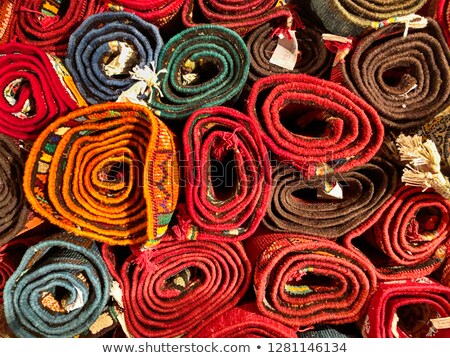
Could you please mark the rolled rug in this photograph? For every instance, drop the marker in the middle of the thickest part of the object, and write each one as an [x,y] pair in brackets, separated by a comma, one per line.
[48,24]
[107,172]
[445,277]
[13,208]
[245,321]
[177,287]
[302,282]
[416,308]
[327,331]
[300,205]
[112,57]
[443,17]
[59,289]
[353,17]
[227,176]
[407,236]
[206,66]
[240,16]
[313,58]
[158,12]
[7,11]
[36,89]
[394,74]
[317,125]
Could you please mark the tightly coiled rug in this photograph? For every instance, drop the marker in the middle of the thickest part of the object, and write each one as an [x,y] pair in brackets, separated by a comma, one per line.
[227,176]
[103,54]
[302,282]
[317,125]
[177,287]
[107,172]
[59,289]
[206,66]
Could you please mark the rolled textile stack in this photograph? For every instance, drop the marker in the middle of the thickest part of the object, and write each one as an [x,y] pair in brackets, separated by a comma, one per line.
[227,176]
[296,204]
[48,24]
[59,289]
[13,208]
[353,17]
[313,58]
[408,309]
[445,277]
[302,282]
[317,125]
[7,11]
[245,321]
[112,56]
[206,66]
[158,12]
[178,287]
[443,17]
[36,89]
[108,172]
[406,79]
[410,232]
[241,16]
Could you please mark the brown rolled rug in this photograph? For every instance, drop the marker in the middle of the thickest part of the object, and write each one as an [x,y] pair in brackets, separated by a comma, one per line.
[245,321]
[313,58]
[297,207]
[302,282]
[406,79]
[407,237]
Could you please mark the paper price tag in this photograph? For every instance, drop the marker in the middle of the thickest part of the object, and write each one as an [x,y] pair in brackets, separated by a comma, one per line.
[286,52]
[441,323]
[335,192]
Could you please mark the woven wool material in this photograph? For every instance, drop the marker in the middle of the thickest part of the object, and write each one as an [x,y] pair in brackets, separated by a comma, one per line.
[313,59]
[445,277]
[406,79]
[158,12]
[352,17]
[206,66]
[232,211]
[13,209]
[352,132]
[302,282]
[33,93]
[7,11]
[295,206]
[245,321]
[404,309]
[326,331]
[241,15]
[107,172]
[35,24]
[93,45]
[176,288]
[59,289]
[443,17]
[410,231]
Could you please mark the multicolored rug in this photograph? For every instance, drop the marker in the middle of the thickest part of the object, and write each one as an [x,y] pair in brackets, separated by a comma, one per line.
[107,172]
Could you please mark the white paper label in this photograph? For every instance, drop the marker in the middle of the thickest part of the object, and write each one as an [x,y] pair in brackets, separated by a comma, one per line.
[286,52]
[441,323]
[78,303]
[334,193]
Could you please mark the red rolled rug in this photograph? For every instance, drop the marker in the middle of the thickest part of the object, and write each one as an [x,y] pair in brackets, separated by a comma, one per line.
[176,288]
[35,90]
[416,308]
[408,234]
[317,125]
[227,176]
[7,12]
[48,24]
[239,15]
[302,282]
[245,321]
[443,17]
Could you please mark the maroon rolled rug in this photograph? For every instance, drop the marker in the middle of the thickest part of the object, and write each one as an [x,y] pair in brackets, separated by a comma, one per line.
[245,321]
[48,24]
[317,125]
[176,288]
[302,282]
[34,90]
[443,17]
[7,13]
[406,238]
[227,176]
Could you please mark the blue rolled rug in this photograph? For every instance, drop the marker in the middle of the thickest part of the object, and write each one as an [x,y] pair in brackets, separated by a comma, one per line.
[60,288]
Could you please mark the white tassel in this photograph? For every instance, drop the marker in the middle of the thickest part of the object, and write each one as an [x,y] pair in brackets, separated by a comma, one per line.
[424,168]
